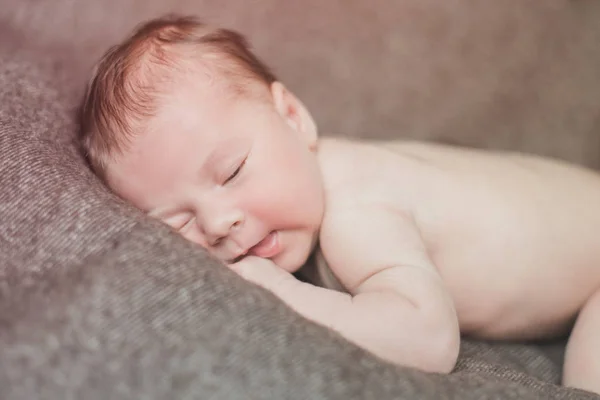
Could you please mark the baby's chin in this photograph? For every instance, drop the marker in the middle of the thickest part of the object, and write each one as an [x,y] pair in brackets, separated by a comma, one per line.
[293,261]
[291,267]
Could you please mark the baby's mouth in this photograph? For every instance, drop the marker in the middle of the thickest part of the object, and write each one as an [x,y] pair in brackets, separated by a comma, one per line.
[267,247]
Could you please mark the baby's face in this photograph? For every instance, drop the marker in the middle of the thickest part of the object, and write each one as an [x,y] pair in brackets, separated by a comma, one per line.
[235,175]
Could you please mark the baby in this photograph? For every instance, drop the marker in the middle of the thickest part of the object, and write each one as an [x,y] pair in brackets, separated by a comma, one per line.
[427,241]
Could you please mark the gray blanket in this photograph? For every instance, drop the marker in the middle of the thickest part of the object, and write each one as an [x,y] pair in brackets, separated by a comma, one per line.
[99,302]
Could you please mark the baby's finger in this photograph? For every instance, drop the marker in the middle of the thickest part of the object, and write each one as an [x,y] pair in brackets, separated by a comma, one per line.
[261,272]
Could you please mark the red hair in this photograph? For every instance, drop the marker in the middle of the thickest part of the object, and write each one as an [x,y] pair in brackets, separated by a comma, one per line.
[130,78]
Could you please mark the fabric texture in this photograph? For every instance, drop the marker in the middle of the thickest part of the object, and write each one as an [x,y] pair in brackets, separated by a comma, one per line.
[99,302]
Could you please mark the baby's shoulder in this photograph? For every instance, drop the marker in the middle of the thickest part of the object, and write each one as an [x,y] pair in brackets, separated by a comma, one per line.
[348,161]
[344,169]
[365,169]
[364,154]
[334,151]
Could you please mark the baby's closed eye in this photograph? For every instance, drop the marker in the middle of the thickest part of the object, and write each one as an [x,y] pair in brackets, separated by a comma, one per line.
[238,168]
[179,222]
[186,225]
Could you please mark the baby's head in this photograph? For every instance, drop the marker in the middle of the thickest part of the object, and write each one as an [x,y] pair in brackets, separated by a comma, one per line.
[184,122]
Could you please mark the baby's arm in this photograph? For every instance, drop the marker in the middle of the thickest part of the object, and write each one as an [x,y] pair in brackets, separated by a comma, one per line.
[397,308]
[399,299]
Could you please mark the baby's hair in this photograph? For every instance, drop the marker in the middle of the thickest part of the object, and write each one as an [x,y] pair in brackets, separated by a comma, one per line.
[128,81]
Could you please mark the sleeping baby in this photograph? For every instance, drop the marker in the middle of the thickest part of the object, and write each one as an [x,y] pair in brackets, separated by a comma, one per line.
[425,241]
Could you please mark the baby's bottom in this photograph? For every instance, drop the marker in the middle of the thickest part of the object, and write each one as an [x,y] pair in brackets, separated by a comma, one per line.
[582,358]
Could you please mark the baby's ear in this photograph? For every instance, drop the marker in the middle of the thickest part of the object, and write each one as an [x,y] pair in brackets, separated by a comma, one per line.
[295,114]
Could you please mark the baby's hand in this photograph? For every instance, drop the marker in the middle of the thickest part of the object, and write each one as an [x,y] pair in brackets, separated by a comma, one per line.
[264,272]
[318,304]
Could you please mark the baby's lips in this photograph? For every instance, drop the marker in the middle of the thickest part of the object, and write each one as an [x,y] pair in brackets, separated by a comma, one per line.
[268,247]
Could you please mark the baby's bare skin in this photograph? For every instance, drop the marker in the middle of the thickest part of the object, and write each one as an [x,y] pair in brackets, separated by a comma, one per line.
[513,236]
[428,241]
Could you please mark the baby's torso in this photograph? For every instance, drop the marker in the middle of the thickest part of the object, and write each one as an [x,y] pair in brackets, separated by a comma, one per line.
[514,237]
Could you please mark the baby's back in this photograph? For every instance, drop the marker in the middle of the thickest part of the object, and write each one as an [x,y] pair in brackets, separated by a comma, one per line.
[513,236]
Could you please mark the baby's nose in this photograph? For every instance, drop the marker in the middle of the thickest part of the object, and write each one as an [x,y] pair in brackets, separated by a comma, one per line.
[220,226]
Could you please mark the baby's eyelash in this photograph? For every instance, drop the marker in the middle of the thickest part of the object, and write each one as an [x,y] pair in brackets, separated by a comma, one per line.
[236,172]
[185,226]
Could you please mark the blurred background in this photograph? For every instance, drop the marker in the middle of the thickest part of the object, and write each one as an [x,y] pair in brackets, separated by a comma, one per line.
[511,74]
